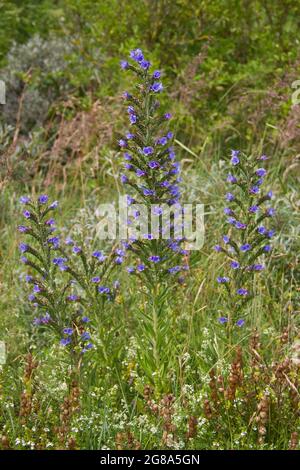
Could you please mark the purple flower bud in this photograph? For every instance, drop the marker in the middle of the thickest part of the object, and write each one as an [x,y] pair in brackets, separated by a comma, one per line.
[167,116]
[156,74]
[270,212]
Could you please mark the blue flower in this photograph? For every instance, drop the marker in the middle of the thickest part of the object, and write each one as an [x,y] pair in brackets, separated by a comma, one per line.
[99,255]
[235,264]
[123,179]
[132,119]
[254,190]
[154,259]
[27,214]
[153,164]
[73,298]
[122,143]
[261,230]
[43,199]
[147,150]
[68,331]
[96,279]
[54,205]
[157,87]
[267,248]
[156,74]
[141,267]
[24,199]
[227,211]
[167,116]
[234,157]
[261,172]
[229,197]
[137,55]
[270,212]
[103,290]
[240,225]
[85,336]
[54,241]
[222,320]
[140,173]
[148,192]
[145,64]
[23,247]
[253,209]
[222,280]
[162,141]
[119,260]
[242,291]
[240,322]
[130,269]
[258,267]
[231,178]
[124,64]
[65,341]
[245,247]
[217,248]
[226,239]
[76,250]
[23,228]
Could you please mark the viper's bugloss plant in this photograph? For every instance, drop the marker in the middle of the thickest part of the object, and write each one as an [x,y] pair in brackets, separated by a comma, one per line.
[152,176]
[68,285]
[246,244]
